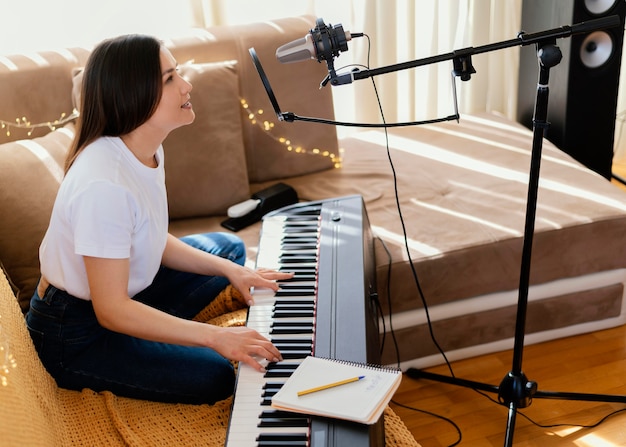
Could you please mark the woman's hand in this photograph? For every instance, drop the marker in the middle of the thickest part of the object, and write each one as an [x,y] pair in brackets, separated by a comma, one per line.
[243,279]
[243,344]
[180,256]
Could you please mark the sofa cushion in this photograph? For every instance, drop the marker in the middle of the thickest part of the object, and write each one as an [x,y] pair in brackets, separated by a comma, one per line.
[30,173]
[274,149]
[35,87]
[205,162]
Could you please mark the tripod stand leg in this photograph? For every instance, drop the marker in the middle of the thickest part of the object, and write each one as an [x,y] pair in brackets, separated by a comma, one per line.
[510,426]
[415,373]
[587,397]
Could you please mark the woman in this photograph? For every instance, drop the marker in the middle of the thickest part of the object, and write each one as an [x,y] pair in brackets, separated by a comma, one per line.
[114,304]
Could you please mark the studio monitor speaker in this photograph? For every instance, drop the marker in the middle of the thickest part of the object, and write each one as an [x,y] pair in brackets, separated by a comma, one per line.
[583,87]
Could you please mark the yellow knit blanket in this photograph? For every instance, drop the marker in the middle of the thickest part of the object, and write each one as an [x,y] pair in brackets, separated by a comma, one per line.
[35,412]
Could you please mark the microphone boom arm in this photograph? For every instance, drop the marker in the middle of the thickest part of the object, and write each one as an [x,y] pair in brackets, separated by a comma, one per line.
[462,57]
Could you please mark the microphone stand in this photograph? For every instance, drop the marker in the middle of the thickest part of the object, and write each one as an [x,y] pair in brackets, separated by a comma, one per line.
[515,390]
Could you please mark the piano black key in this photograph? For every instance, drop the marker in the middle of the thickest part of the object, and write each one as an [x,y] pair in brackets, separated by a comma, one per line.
[295,292]
[280,369]
[301,272]
[296,266]
[299,285]
[301,352]
[299,300]
[303,222]
[269,393]
[290,355]
[295,217]
[296,353]
[294,307]
[294,304]
[283,365]
[290,260]
[294,260]
[303,323]
[313,257]
[269,422]
[278,418]
[303,234]
[306,242]
[292,313]
[300,247]
[294,350]
[307,208]
[299,230]
[310,208]
[298,276]
[291,330]
[275,413]
[292,344]
[278,373]
[282,443]
[308,269]
[294,297]
[303,212]
[282,440]
[305,259]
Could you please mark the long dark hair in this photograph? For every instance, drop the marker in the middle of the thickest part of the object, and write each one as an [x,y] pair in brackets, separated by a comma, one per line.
[122,86]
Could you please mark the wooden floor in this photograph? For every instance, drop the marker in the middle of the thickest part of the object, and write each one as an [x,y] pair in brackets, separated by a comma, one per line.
[588,363]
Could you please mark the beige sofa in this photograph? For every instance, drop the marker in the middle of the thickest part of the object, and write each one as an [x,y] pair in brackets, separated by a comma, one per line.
[461,189]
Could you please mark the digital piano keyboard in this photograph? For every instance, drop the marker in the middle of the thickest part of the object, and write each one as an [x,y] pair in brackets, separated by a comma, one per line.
[326,310]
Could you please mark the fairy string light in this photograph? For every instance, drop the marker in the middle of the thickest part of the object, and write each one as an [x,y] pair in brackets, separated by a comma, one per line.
[256,118]
[7,361]
[24,123]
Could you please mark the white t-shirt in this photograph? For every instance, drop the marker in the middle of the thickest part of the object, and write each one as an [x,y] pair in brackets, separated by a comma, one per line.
[109,205]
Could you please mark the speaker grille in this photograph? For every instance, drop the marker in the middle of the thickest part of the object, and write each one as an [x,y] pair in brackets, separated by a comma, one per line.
[596,49]
[599,7]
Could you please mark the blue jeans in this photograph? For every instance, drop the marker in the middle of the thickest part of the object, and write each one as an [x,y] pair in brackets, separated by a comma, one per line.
[79,353]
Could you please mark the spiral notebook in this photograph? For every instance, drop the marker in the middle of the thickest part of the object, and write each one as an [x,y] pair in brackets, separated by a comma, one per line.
[338,389]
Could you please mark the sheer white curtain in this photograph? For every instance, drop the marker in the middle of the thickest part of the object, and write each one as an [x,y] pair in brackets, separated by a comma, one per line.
[405,30]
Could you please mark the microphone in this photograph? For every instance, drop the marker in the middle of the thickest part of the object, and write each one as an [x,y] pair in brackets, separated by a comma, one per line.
[322,43]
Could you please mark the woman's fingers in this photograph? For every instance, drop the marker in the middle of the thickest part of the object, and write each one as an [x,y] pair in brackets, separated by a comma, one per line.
[247,345]
[261,278]
[274,275]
